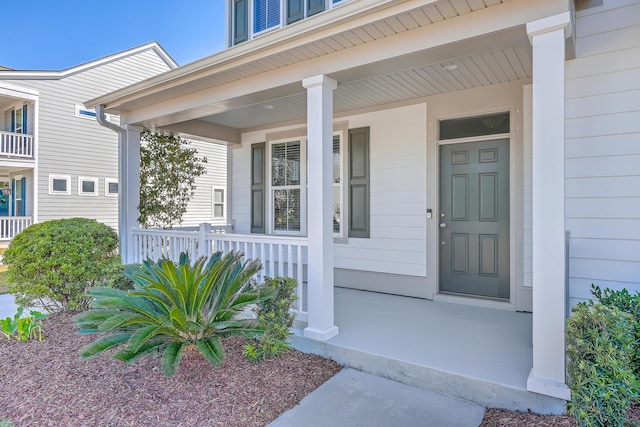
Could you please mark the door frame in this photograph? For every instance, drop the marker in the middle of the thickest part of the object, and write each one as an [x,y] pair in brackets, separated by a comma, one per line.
[515,210]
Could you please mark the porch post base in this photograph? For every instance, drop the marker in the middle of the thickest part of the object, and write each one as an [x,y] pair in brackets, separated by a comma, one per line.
[320,334]
[548,387]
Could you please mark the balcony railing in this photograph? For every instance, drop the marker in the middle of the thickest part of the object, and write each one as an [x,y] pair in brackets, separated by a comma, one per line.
[279,255]
[16,145]
[12,225]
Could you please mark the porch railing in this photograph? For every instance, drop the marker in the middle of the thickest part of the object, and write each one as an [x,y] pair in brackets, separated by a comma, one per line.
[279,255]
[16,144]
[12,225]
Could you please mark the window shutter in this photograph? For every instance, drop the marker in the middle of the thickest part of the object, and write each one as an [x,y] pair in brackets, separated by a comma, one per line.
[23,195]
[314,6]
[240,21]
[13,120]
[359,182]
[295,10]
[258,188]
[24,118]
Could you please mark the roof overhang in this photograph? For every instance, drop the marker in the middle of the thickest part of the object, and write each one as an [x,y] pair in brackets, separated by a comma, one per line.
[380,52]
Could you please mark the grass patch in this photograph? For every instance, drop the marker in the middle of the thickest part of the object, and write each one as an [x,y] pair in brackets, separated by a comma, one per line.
[4,286]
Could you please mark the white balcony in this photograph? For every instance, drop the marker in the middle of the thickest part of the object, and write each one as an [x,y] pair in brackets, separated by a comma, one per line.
[16,145]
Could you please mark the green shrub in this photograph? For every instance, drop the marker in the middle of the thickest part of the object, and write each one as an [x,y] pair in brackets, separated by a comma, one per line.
[276,316]
[173,307]
[600,346]
[122,280]
[623,301]
[23,328]
[5,423]
[53,263]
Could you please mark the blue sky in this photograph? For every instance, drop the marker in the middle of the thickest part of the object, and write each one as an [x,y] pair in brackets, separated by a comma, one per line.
[59,34]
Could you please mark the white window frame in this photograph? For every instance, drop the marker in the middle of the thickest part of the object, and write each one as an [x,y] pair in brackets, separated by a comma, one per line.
[18,123]
[108,181]
[88,113]
[17,195]
[252,21]
[343,202]
[82,179]
[302,186]
[66,178]
[214,203]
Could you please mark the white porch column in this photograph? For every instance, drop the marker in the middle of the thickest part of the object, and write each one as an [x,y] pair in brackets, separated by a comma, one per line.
[320,201]
[128,188]
[548,37]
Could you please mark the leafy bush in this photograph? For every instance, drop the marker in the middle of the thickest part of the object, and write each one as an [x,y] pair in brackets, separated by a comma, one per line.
[276,316]
[600,346]
[53,263]
[623,301]
[23,328]
[173,307]
[122,280]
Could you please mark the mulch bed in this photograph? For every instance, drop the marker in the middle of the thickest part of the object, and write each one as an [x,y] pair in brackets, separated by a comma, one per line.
[46,384]
[503,418]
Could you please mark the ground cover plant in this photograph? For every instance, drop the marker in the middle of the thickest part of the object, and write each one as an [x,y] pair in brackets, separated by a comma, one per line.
[23,328]
[45,383]
[174,307]
[53,263]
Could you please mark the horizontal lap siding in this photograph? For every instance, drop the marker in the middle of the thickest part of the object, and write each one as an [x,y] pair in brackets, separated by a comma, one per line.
[603,150]
[200,208]
[398,193]
[75,146]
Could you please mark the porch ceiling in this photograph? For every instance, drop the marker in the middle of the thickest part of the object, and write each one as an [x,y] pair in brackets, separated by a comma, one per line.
[380,51]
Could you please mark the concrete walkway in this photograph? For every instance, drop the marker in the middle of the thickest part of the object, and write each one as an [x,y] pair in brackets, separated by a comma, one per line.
[7,306]
[353,399]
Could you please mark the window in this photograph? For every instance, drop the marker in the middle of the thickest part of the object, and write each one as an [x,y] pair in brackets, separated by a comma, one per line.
[338,211]
[490,124]
[266,14]
[17,125]
[87,113]
[110,187]
[87,186]
[262,15]
[218,203]
[288,187]
[285,191]
[19,195]
[59,184]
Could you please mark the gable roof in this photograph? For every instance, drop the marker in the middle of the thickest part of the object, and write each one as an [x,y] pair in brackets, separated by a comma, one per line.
[6,72]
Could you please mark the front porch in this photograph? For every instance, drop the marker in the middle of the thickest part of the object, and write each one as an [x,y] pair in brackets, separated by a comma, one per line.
[477,354]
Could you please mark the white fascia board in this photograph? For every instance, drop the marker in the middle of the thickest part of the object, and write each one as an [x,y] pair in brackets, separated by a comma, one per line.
[29,74]
[14,91]
[350,16]
[471,26]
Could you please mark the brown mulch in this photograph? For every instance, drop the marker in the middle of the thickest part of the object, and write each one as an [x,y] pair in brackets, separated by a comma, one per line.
[503,418]
[46,384]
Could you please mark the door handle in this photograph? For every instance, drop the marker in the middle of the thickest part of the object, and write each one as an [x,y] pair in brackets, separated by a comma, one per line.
[443,225]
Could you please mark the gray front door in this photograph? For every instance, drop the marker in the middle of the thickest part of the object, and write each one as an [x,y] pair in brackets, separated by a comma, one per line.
[474,218]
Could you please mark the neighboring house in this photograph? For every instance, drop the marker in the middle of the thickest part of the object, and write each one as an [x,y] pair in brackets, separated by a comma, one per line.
[57,162]
[438,149]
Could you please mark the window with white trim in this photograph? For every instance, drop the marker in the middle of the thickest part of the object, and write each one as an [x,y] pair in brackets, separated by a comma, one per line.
[87,186]
[338,186]
[288,196]
[218,203]
[87,113]
[59,184]
[111,187]
[18,121]
[264,15]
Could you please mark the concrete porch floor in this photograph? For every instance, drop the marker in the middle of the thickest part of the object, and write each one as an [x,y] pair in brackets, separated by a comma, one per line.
[478,354]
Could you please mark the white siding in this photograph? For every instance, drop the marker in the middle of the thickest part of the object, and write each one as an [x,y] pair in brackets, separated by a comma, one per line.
[200,207]
[398,192]
[603,150]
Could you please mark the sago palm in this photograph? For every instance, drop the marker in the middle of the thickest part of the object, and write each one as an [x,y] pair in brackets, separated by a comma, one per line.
[172,306]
